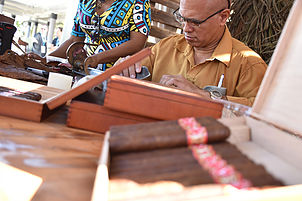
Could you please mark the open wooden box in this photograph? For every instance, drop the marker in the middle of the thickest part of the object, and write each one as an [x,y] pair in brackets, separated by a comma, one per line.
[271,135]
[130,101]
[52,98]
[23,108]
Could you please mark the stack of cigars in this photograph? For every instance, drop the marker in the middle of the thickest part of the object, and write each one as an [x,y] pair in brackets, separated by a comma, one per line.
[150,153]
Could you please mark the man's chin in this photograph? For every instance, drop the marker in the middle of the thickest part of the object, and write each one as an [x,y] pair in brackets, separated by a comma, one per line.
[191,41]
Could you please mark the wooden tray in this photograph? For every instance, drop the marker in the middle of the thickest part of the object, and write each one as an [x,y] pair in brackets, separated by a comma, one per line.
[270,136]
[53,98]
[156,101]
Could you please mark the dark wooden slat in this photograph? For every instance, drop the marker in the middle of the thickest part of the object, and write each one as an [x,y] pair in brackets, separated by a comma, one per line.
[173,4]
[160,32]
[164,18]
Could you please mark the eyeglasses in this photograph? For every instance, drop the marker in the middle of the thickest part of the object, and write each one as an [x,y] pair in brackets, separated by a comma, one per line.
[193,22]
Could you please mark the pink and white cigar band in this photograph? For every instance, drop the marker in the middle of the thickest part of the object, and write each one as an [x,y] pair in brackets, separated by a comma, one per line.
[219,169]
[196,134]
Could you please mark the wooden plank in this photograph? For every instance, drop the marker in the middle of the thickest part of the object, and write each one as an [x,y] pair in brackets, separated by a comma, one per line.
[160,32]
[97,118]
[164,18]
[65,158]
[169,3]
[62,98]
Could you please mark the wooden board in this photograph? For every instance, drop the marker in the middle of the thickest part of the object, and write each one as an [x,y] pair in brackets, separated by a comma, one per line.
[64,158]
[156,101]
[97,118]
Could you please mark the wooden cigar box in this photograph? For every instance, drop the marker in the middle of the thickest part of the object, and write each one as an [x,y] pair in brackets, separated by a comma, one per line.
[23,108]
[52,98]
[156,101]
[270,136]
[94,117]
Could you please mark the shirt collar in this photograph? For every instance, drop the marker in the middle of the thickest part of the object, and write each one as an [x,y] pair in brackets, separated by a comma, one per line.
[222,52]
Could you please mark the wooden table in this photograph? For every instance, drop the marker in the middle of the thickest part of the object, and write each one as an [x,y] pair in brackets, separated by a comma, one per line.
[65,158]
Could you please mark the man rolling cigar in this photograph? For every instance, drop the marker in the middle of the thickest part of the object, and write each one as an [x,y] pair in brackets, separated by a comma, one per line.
[205,54]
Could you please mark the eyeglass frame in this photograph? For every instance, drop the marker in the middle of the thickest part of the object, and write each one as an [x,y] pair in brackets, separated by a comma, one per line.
[195,22]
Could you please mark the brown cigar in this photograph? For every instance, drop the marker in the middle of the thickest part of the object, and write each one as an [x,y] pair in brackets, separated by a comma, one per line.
[164,134]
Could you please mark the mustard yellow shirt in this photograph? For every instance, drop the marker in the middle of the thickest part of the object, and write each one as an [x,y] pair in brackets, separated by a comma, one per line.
[243,68]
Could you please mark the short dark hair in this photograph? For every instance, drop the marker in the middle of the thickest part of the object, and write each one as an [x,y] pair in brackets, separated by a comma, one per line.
[229,4]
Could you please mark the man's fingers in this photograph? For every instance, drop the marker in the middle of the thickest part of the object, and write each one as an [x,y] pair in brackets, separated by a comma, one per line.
[166,80]
[171,82]
[132,73]
[138,67]
[126,72]
[121,59]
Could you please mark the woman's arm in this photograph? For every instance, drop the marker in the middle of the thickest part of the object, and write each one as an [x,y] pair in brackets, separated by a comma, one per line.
[136,43]
[61,50]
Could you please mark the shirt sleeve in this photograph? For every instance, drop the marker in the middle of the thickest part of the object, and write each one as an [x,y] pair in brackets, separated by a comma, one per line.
[141,18]
[76,29]
[248,85]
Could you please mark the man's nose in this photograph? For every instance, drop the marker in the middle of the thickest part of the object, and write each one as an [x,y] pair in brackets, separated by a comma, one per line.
[187,27]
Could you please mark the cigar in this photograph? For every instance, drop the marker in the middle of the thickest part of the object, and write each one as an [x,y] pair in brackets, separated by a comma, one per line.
[158,135]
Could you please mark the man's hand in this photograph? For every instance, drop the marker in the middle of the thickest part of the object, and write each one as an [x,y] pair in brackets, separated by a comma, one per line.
[179,82]
[131,70]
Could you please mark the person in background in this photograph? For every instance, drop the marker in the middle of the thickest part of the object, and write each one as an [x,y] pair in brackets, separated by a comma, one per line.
[56,41]
[203,54]
[117,28]
[39,44]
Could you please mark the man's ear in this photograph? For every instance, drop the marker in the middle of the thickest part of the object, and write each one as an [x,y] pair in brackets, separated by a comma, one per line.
[224,16]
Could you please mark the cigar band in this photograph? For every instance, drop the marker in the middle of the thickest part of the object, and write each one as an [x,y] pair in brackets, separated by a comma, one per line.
[196,134]
[219,169]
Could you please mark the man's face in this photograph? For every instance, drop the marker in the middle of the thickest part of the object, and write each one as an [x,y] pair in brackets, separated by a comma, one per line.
[207,33]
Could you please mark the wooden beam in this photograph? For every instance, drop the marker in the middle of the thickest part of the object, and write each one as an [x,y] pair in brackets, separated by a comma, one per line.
[164,18]
[173,4]
[160,33]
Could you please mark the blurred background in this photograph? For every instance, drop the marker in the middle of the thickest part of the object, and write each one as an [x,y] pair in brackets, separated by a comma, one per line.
[44,22]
